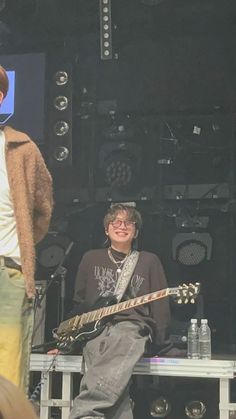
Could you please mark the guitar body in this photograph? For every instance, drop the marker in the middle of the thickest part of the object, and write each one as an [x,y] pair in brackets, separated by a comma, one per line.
[88,331]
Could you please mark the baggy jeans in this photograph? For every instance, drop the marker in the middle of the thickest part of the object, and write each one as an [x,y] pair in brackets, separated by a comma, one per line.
[110,359]
[16,327]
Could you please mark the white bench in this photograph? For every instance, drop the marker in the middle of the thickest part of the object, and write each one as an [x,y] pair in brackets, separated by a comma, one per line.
[68,365]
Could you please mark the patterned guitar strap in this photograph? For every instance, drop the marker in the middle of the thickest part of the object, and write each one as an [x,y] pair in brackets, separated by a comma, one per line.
[125,275]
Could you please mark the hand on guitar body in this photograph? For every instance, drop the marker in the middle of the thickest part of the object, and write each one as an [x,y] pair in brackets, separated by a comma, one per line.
[54,351]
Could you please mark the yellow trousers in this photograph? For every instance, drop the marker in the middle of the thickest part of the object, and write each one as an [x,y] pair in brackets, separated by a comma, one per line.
[16,327]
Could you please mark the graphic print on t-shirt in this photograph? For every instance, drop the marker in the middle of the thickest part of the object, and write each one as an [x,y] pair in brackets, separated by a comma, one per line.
[107,279]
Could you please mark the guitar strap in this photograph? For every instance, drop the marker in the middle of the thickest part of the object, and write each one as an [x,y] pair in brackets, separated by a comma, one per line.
[125,275]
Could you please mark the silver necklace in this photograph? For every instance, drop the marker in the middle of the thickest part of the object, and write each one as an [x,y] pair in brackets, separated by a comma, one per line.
[118,263]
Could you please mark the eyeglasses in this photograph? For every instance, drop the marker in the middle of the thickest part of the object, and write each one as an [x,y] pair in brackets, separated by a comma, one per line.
[118,223]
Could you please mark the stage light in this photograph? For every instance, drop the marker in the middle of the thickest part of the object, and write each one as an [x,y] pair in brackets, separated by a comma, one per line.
[61,128]
[191,253]
[160,407]
[191,248]
[195,409]
[60,103]
[119,170]
[61,78]
[119,163]
[61,153]
[105,29]
[60,115]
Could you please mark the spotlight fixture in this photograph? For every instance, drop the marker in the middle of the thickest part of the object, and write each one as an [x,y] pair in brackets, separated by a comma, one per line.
[195,409]
[60,115]
[120,163]
[60,103]
[61,153]
[160,407]
[61,128]
[119,170]
[191,248]
[105,29]
[61,78]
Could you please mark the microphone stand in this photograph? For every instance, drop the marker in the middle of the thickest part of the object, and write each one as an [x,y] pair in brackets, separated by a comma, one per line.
[61,272]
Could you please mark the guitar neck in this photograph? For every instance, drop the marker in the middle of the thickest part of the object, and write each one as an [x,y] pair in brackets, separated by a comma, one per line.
[182,292]
[125,305]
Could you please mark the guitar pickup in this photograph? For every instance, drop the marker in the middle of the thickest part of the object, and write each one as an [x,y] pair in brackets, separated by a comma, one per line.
[68,325]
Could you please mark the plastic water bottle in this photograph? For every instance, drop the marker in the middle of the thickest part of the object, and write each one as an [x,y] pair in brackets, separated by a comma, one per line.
[205,340]
[193,340]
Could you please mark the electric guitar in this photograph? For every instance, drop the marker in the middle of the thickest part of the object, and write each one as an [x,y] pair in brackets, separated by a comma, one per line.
[82,328]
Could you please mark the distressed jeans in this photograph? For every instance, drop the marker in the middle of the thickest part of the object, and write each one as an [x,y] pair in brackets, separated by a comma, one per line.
[110,359]
[16,326]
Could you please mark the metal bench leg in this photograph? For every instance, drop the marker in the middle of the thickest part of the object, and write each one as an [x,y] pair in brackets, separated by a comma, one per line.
[46,391]
[224,384]
[67,390]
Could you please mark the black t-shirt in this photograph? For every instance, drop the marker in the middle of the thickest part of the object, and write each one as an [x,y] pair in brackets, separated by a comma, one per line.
[97,277]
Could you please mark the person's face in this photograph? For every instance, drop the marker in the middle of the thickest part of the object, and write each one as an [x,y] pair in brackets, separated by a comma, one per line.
[1,97]
[122,230]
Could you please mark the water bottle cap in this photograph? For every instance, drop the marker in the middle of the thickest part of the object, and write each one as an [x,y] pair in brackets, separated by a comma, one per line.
[204,321]
[193,320]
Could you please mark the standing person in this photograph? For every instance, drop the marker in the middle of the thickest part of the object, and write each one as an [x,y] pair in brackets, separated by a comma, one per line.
[111,356]
[25,210]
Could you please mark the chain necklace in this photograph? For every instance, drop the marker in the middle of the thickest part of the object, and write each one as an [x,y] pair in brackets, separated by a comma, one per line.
[118,263]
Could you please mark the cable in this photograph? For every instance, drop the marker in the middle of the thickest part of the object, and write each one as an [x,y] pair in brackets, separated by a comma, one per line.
[37,389]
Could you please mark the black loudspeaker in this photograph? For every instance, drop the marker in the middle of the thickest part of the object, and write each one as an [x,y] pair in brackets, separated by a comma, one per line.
[40,314]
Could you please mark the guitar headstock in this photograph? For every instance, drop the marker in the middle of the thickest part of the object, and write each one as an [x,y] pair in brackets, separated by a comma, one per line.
[186,293]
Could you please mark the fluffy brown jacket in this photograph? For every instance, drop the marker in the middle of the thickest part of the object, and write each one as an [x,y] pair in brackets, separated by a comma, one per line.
[31,191]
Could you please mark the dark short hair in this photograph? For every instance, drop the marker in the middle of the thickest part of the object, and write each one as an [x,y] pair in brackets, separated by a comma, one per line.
[4,82]
[133,215]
